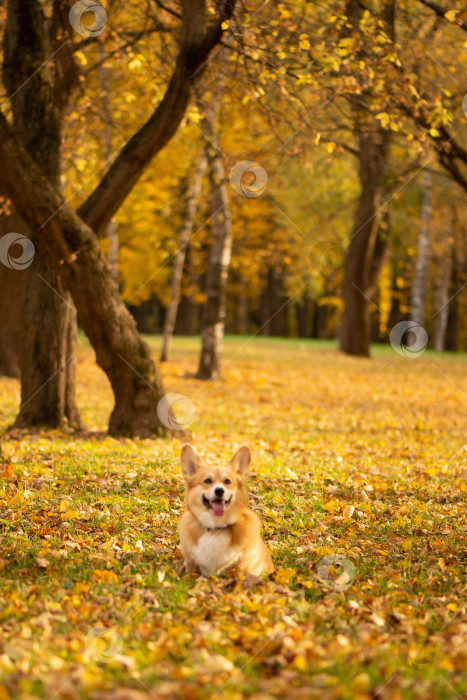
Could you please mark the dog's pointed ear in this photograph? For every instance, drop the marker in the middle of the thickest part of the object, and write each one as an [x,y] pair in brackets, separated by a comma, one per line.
[241,460]
[191,461]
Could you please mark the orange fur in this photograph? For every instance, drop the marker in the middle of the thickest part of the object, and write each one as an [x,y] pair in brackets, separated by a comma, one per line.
[217,533]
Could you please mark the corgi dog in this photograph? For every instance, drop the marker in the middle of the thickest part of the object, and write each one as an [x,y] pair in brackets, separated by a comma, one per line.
[218,531]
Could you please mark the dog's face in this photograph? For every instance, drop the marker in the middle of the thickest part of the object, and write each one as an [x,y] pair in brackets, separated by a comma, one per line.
[215,494]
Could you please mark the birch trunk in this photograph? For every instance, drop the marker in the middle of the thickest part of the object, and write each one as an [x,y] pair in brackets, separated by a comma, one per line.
[418,296]
[441,294]
[213,317]
[179,258]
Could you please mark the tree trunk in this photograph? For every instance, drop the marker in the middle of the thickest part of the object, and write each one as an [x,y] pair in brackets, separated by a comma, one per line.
[265,304]
[112,227]
[140,314]
[48,356]
[418,296]
[452,331]
[302,310]
[213,319]
[441,295]
[11,303]
[365,253]
[243,316]
[380,253]
[179,258]
[157,315]
[279,307]
[49,348]
[373,142]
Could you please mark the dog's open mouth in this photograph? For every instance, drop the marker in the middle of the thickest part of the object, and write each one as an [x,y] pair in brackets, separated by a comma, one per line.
[218,506]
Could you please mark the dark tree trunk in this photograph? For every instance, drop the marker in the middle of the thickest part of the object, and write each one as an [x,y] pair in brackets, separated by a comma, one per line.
[213,318]
[279,321]
[452,330]
[365,253]
[320,321]
[187,314]
[265,305]
[140,314]
[373,142]
[441,299]
[11,303]
[380,253]
[179,258]
[323,313]
[157,315]
[112,227]
[11,323]
[48,354]
[243,315]
[49,348]
[303,317]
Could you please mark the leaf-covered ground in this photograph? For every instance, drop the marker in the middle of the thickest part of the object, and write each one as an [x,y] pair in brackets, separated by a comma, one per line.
[360,480]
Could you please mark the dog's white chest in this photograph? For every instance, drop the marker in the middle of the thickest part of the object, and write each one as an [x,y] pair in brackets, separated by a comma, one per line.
[214,552]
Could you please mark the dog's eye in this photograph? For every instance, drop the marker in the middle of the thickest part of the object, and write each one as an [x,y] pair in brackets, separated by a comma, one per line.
[227,481]
[208,481]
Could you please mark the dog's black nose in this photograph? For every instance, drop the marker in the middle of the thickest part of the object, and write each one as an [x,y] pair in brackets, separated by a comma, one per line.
[219,491]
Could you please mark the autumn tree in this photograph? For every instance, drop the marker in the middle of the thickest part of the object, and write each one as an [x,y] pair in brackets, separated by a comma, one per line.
[69,239]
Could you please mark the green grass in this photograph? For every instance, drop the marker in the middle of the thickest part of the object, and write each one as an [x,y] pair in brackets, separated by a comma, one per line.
[361,459]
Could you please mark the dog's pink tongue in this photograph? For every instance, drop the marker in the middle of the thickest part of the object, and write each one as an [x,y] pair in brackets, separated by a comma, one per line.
[218,507]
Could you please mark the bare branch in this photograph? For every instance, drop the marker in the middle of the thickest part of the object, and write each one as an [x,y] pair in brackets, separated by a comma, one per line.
[441,12]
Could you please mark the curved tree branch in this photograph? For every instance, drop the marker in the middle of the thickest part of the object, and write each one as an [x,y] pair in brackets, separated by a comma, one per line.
[197,40]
